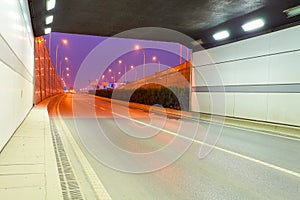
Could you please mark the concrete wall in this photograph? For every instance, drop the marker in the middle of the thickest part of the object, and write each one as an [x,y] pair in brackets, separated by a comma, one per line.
[257,78]
[177,76]
[16,66]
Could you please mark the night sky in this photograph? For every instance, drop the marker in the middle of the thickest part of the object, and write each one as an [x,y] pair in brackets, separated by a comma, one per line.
[91,57]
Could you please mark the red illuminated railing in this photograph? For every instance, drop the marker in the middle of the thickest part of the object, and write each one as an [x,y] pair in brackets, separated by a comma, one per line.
[47,81]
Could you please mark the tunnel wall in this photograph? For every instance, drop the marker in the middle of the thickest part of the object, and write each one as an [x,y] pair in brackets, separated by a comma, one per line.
[16,66]
[260,77]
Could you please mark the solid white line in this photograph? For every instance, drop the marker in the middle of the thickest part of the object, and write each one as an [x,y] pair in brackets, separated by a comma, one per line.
[272,166]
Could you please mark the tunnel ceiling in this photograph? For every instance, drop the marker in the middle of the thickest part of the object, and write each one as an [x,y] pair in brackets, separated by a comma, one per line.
[198,19]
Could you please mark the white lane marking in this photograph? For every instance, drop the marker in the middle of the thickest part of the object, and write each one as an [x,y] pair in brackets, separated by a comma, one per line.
[272,166]
[94,105]
[97,185]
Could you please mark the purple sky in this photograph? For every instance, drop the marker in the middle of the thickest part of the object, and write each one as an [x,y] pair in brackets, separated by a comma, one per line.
[80,46]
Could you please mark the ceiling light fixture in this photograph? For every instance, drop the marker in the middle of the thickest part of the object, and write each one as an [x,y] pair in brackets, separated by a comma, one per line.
[221,35]
[50,4]
[49,19]
[47,30]
[253,25]
[292,12]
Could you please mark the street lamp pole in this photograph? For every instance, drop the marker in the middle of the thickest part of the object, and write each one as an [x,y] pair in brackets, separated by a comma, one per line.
[144,69]
[113,77]
[56,51]
[60,69]
[125,70]
[67,74]
[154,58]
[135,77]
[137,47]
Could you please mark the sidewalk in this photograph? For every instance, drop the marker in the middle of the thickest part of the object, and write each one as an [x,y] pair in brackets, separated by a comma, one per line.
[28,168]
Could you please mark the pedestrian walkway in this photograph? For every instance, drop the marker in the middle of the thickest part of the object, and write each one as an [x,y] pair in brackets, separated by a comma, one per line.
[28,168]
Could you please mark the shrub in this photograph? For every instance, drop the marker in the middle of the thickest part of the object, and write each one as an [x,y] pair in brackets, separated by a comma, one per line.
[174,97]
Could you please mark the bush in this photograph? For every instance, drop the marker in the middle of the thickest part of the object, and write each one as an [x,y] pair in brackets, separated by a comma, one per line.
[174,97]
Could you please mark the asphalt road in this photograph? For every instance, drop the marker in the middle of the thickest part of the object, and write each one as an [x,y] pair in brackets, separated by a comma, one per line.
[144,155]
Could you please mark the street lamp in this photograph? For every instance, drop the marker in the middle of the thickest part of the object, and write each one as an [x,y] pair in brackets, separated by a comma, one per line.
[113,77]
[60,69]
[135,77]
[154,58]
[56,51]
[103,77]
[138,48]
[125,70]
[67,69]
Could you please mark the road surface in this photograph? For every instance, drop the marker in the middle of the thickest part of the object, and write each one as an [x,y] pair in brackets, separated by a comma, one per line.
[137,155]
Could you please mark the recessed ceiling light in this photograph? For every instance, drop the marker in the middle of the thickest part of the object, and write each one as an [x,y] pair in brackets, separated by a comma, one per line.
[221,35]
[292,12]
[47,30]
[253,25]
[50,4]
[49,19]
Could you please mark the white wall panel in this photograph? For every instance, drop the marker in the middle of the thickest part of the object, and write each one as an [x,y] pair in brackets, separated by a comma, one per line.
[16,100]
[251,106]
[230,104]
[16,66]
[195,106]
[265,61]
[13,30]
[227,72]
[208,75]
[285,40]
[7,104]
[253,47]
[284,108]
[11,60]
[198,76]
[218,103]
[204,102]
[252,71]
[201,58]
[224,53]
[285,68]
